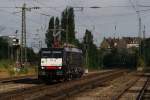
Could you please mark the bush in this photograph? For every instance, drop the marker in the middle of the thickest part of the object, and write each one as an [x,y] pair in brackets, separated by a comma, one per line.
[120,59]
[9,67]
[141,62]
[23,70]
[6,63]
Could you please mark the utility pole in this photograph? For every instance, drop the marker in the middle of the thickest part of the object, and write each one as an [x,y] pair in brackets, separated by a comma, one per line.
[23,49]
[17,54]
[140,24]
[56,33]
[86,47]
[144,45]
[40,41]
[23,35]
[144,33]
[115,32]
[139,31]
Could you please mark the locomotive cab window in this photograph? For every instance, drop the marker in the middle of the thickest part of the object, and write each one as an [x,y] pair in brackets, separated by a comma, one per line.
[52,54]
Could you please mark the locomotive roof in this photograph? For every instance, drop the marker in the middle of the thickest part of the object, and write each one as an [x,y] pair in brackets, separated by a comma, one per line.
[65,49]
[73,50]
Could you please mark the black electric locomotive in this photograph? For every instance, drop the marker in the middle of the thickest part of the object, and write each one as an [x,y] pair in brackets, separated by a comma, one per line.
[60,64]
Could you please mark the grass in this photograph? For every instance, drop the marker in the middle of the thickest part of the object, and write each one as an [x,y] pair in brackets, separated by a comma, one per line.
[8,69]
[5,63]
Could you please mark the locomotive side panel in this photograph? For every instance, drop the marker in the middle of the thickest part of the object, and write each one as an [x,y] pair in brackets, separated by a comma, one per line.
[74,62]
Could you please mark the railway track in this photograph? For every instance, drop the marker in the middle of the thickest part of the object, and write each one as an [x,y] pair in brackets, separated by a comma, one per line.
[108,91]
[62,90]
[145,91]
[11,79]
[16,83]
[125,87]
[138,89]
[24,83]
[29,77]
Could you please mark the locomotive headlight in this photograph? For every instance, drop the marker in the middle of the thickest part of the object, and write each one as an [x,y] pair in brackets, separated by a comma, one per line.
[59,67]
[42,67]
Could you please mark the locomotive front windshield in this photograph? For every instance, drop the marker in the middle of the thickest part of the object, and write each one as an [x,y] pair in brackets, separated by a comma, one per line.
[51,58]
[52,54]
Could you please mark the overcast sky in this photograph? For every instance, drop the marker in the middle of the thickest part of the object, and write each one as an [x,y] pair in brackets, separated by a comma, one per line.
[101,21]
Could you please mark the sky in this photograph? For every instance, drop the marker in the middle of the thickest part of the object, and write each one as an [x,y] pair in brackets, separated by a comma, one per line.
[101,21]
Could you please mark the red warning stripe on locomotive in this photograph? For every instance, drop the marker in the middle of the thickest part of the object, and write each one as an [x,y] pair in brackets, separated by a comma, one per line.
[53,67]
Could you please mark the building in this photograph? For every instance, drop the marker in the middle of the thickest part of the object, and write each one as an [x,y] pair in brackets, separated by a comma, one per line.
[124,42]
[12,40]
[131,41]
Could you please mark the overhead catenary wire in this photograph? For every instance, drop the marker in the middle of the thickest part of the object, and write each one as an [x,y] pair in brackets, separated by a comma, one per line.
[84,7]
[139,18]
[15,14]
[110,15]
[45,6]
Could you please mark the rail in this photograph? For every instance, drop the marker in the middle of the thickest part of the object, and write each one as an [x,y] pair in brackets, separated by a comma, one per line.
[5,80]
[140,96]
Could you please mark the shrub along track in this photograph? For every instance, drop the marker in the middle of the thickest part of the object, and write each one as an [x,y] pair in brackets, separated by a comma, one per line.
[62,90]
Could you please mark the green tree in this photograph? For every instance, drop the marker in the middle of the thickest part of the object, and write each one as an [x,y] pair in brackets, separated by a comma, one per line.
[57,24]
[68,24]
[120,58]
[93,61]
[141,62]
[145,49]
[32,56]
[3,48]
[49,33]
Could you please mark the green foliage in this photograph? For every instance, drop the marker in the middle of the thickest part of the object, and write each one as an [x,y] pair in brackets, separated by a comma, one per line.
[67,20]
[32,56]
[57,24]
[49,34]
[68,26]
[9,67]
[120,58]
[5,63]
[145,51]
[141,62]
[63,26]
[11,72]
[23,70]
[5,53]
[3,49]
[77,43]
[92,51]
[88,38]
